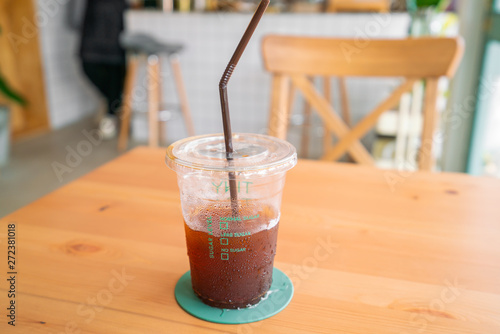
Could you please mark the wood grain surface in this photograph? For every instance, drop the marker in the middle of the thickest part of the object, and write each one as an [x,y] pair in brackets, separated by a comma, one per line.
[369,251]
[410,58]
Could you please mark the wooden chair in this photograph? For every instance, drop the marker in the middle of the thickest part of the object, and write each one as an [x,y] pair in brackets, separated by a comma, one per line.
[381,6]
[345,111]
[296,59]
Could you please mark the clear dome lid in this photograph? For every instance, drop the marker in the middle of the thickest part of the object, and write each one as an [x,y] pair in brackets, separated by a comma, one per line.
[253,153]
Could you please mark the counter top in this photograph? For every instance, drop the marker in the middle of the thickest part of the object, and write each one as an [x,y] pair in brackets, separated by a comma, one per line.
[365,255]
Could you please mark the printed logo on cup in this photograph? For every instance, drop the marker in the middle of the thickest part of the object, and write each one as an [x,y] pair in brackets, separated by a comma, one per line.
[223,186]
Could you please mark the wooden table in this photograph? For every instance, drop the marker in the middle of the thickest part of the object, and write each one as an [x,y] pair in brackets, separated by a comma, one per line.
[369,251]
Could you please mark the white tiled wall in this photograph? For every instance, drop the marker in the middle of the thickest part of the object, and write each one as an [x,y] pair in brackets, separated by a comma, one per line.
[69,96]
[210,40]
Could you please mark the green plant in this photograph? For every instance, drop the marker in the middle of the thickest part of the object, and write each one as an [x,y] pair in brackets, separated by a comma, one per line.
[10,93]
[438,5]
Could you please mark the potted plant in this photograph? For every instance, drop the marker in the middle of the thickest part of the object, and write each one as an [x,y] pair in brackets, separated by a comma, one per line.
[8,94]
[422,14]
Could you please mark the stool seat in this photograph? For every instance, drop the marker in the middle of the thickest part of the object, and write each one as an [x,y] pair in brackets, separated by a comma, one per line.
[142,43]
[144,47]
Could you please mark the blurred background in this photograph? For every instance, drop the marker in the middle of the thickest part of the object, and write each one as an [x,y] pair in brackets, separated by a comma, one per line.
[65,65]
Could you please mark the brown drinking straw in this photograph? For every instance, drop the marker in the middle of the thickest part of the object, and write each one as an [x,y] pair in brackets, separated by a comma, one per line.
[226,122]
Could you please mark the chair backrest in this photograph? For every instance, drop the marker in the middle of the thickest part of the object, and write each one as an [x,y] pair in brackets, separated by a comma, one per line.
[295,59]
[381,6]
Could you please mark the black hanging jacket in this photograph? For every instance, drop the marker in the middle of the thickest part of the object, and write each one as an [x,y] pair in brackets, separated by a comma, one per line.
[102,26]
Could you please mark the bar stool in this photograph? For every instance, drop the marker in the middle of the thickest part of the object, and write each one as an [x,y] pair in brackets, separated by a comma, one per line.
[140,46]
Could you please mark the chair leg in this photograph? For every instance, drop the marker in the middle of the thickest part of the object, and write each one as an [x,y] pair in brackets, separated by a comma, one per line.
[290,105]
[345,109]
[127,103]
[181,90]
[328,136]
[344,100]
[306,127]
[278,118]
[426,157]
[153,99]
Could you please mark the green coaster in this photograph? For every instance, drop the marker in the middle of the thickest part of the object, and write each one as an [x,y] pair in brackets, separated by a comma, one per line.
[278,297]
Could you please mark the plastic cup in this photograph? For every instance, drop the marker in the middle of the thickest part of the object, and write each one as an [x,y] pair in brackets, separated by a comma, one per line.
[231,252]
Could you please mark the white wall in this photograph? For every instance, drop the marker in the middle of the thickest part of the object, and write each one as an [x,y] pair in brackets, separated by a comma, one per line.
[69,96]
[210,40]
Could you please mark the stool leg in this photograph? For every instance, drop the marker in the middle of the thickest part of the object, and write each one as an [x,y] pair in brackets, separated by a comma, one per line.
[153,99]
[127,103]
[163,133]
[176,69]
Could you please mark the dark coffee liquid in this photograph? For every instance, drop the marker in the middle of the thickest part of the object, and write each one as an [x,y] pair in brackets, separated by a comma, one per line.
[231,267]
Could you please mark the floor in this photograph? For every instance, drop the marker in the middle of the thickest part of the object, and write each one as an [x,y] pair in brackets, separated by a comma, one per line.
[44,163]
[40,165]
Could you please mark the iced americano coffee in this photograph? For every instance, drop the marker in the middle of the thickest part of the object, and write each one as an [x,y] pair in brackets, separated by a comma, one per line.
[231,244]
